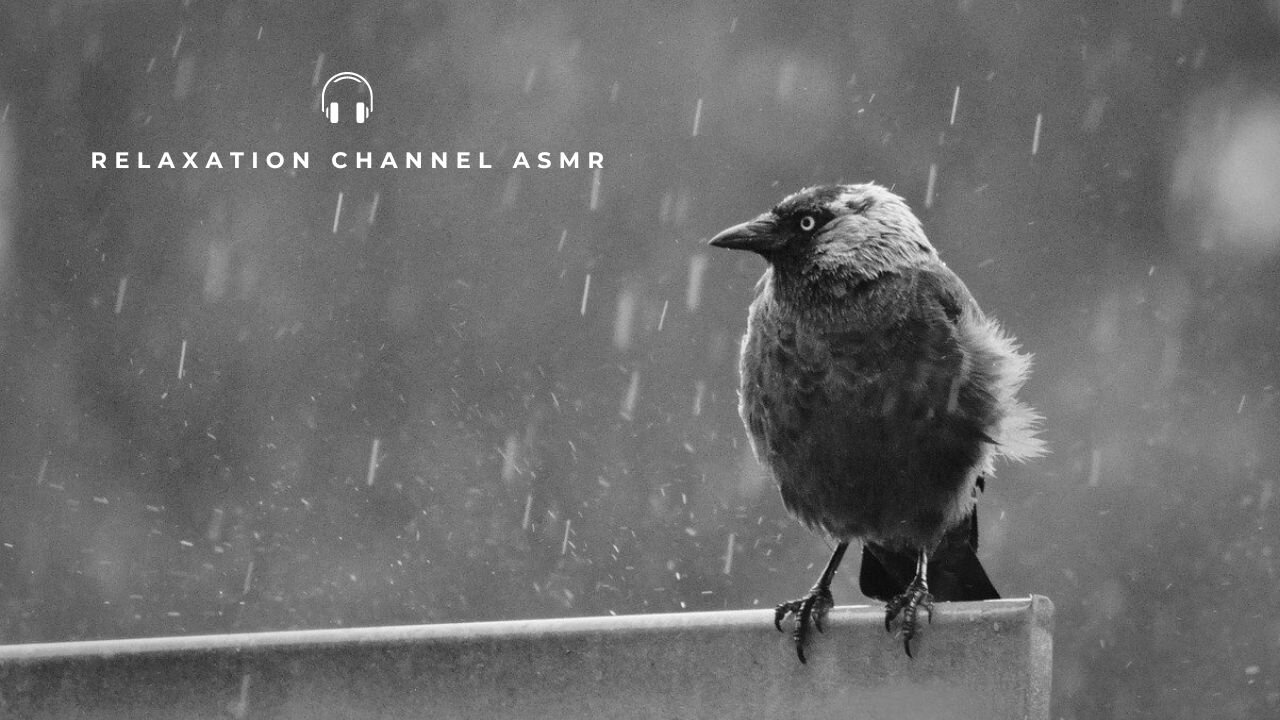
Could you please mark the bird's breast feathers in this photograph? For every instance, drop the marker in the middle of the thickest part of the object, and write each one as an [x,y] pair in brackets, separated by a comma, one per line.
[909,354]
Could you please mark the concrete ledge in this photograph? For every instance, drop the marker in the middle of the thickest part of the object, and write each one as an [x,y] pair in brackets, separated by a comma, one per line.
[976,660]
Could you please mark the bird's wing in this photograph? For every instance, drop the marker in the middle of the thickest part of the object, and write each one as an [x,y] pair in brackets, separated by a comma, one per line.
[934,287]
[994,369]
[903,349]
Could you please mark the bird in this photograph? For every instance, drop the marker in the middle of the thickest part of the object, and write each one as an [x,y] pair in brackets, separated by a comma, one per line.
[879,395]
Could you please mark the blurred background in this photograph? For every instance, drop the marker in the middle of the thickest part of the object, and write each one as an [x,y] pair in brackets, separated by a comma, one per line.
[485,394]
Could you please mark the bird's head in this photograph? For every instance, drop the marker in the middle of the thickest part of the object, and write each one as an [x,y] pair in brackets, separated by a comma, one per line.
[850,230]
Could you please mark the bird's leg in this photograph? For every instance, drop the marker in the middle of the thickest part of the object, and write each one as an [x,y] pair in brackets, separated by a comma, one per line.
[812,607]
[909,602]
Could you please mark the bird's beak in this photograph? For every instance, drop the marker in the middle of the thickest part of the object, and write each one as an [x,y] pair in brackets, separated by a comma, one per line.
[758,235]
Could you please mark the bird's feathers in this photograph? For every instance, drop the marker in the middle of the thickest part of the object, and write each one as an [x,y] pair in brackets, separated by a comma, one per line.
[1016,435]
[954,571]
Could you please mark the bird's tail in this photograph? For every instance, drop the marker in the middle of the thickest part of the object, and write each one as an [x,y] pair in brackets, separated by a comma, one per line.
[954,571]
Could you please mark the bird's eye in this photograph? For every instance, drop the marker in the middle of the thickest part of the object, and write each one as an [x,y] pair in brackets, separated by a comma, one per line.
[808,223]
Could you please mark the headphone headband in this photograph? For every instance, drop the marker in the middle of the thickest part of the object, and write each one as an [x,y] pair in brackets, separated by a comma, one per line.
[347,76]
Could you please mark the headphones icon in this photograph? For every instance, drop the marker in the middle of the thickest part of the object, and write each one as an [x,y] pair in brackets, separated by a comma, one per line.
[331,109]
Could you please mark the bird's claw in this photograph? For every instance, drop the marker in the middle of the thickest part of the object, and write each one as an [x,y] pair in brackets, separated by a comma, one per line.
[812,608]
[908,604]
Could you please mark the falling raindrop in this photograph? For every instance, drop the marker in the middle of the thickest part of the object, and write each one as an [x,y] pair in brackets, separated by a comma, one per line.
[528,512]
[955,102]
[564,234]
[214,531]
[693,294]
[1035,138]
[662,317]
[337,213]
[728,555]
[699,390]
[509,453]
[933,178]
[595,190]
[623,319]
[627,411]
[586,292]
[315,74]
[120,290]
[564,544]
[373,462]
[182,360]
[240,708]
[697,116]
[373,208]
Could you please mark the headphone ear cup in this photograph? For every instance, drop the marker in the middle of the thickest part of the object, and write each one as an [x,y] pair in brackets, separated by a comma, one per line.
[361,114]
[333,112]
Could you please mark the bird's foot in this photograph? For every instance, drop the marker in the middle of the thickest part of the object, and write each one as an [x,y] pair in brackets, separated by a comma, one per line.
[908,605]
[808,610]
